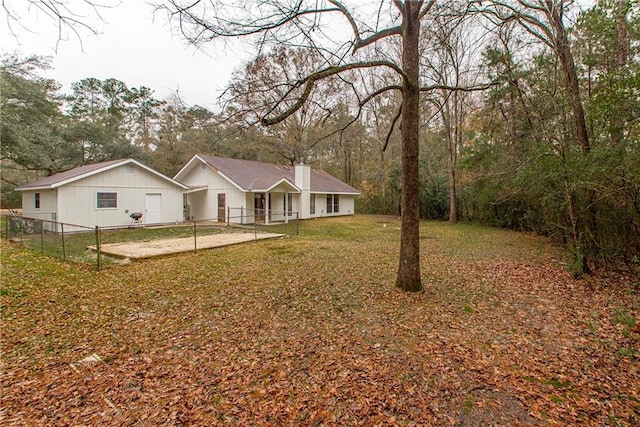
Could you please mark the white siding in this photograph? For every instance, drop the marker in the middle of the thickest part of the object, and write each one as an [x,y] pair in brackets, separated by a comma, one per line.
[196,202]
[204,204]
[77,200]
[346,205]
[48,204]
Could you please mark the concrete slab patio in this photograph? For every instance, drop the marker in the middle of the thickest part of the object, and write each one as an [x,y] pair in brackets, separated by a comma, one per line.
[152,248]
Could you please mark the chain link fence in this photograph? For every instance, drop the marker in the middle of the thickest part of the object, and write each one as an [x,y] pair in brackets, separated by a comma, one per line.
[110,246]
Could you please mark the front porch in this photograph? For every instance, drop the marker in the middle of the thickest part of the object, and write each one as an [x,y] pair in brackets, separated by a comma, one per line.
[264,208]
[278,204]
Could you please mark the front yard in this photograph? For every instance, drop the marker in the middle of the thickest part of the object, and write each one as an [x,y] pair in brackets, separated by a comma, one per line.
[310,330]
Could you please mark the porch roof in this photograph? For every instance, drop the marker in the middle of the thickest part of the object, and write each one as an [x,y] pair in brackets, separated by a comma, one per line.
[196,188]
[271,186]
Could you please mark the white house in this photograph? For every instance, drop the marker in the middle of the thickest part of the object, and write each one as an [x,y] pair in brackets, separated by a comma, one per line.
[104,194]
[244,191]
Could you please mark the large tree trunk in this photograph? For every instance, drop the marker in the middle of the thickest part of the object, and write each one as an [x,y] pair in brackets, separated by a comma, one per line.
[453,200]
[450,122]
[409,270]
[565,56]
[617,121]
[623,46]
[563,49]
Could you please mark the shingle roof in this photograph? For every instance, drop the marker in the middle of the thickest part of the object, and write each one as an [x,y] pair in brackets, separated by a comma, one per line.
[251,175]
[67,175]
[80,172]
[248,174]
[322,182]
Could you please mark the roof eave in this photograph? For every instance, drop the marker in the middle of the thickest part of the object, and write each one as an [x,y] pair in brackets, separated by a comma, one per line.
[90,173]
[158,174]
[39,187]
[188,165]
[100,170]
[285,181]
[346,193]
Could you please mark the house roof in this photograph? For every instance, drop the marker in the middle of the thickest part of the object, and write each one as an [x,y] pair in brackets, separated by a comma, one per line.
[322,182]
[252,176]
[81,172]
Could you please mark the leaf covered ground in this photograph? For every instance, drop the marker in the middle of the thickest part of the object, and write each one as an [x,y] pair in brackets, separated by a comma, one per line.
[310,330]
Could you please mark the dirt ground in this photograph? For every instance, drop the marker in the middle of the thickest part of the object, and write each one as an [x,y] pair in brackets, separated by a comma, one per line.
[152,248]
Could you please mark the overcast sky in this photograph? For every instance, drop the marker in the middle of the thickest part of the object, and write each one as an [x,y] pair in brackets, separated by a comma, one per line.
[132,47]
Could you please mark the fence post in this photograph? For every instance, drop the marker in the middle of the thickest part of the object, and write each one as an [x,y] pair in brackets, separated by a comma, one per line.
[41,236]
[228,215]
[98,247]
[297,223]
[22,230]
[195,238]
[64,249]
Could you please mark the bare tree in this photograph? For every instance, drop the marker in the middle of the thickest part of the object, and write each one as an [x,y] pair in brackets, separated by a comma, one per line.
[449,61]
[306,24]
[69,17]
[258,86]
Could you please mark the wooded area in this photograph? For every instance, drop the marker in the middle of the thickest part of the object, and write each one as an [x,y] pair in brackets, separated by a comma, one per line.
[528,113]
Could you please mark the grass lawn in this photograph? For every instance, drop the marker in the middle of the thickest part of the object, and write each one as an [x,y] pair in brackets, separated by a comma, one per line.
[310,330]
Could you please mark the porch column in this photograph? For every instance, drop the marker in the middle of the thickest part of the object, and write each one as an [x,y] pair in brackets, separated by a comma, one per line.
[286,208]
[267,206]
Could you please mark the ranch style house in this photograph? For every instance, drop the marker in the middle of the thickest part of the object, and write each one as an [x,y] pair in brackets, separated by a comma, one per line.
[248,191]
[206,188]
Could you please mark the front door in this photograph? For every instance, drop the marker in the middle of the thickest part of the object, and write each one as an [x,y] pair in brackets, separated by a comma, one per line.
[221,207]
[153,209]
[258,205]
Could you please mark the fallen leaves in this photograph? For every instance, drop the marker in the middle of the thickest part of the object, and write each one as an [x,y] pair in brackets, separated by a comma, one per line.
[311,331]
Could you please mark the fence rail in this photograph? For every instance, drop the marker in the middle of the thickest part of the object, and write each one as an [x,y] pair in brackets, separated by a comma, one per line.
[260,216]
[97,245]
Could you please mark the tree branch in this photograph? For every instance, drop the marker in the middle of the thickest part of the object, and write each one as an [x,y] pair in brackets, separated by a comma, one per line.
[62,13]
[221,27]
[309,82]
[359,42]
[379,92]
[483,86]
[426,9]
[393,125]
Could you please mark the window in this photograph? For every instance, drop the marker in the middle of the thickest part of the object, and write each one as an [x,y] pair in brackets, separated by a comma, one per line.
[36,200]
[312,204]
[333,203]
[106,200]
